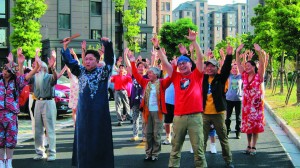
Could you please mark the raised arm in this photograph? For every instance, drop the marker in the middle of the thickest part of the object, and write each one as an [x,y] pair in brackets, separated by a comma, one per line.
[262,61]
[139,78]
[68,59]
[83,50]
[163,58]
[108,52]
[192,37]
[51,64]
[32,72]
[126,60]
[225,70]
[62,71]
[237,58]
[21,59]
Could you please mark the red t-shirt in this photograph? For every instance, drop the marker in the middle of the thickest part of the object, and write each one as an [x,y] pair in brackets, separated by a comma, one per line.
[188,92]
[121,81]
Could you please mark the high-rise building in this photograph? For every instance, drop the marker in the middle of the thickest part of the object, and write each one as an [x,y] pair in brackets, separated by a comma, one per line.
[251,4]
[214,22]
[92,19]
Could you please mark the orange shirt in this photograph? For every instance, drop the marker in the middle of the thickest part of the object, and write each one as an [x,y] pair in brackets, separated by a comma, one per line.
[210,105]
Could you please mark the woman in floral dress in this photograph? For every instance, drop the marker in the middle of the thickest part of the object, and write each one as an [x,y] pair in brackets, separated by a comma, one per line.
[253,120]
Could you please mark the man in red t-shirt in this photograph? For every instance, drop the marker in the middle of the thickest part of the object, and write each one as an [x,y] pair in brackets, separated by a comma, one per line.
[188,102]
[121,97]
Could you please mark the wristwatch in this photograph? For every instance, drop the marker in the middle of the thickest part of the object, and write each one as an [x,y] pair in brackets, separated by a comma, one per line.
[157,48]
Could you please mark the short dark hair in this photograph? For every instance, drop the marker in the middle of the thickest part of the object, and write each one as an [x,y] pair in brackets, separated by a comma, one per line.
[94,52]
[143,63]
[121,65]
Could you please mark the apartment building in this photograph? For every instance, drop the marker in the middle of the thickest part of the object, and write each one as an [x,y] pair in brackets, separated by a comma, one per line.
[214,22]
[251,4]
[92,19]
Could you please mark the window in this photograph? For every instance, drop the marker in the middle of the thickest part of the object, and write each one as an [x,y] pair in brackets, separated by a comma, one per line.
[96,8]
[143,41]
[202,4]
[217,15]
[64,21]
[168,6]
[2,9]
[143,19]
[230,22]
[188,13]
[3,37]
[218,21]
[218,28]
[201,18]
[167,18]
[96,34]
[163,6]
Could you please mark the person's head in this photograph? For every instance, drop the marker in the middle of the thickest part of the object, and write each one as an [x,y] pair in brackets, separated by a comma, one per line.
[250,67]
[185,64]
[153,74]
[43,68]
[211,67]
[7,71]
[91,59]
[39,77]
[122,69]
[141,67]
[234,69]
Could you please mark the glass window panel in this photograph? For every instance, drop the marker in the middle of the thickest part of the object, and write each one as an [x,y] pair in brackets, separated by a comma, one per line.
[143,41]
[3,37]
[2,9]
[96,34]
[96,8]
[64,21]
[168,6]
[143,19]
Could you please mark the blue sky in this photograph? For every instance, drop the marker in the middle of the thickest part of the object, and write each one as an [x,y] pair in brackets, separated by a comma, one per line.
[211,2]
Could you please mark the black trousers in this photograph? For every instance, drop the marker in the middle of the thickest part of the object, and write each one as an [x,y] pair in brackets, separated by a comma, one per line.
[238,106]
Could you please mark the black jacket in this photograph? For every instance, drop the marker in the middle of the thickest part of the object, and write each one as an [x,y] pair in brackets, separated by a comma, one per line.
[218,86]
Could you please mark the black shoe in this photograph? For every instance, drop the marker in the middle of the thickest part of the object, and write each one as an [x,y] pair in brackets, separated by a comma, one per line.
[154,158]
[148,158]
[238,135]
[229,165]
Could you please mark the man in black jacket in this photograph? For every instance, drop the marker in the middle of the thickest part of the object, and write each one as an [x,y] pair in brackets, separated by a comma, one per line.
[214,102]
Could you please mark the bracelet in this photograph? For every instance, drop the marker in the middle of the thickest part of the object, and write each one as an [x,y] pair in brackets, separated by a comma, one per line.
[157,48]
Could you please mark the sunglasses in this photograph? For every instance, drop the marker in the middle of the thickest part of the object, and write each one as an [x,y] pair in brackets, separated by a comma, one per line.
[7,69]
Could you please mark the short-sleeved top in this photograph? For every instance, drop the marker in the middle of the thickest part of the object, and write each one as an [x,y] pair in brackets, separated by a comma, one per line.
[188,92]
[48,87]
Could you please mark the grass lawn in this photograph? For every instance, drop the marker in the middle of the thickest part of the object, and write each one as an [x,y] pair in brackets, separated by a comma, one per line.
[290,113]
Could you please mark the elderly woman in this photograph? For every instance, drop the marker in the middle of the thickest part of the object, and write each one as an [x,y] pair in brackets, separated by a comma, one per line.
[253,111]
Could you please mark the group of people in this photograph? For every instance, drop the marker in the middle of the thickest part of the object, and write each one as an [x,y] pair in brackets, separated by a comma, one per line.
[193,97]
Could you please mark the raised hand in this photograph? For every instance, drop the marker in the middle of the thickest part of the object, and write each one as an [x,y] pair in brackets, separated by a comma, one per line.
[131,57]
[104,39]
[19,51]
[229,49]
[238,50]
[182,49]
[163,50]
[83,45]
[192,35]
[10,58]
[174,61]
[250,55]
[155,41]
[52,59]
[21,59]
[257,47]
[66,42]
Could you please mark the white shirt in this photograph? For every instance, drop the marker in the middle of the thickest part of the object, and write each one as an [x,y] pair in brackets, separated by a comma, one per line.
[153,105]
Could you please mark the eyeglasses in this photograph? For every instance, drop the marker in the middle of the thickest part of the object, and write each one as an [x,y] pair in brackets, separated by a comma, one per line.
[182,63]
[7,69]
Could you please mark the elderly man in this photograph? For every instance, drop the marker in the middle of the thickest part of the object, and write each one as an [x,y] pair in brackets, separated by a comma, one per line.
[188,107]
[45,108]
[93,145]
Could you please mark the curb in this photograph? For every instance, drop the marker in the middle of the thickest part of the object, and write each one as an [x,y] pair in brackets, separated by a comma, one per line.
[285,127]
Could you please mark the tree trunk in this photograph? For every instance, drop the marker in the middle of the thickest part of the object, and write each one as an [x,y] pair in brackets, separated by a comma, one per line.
[298,78]
[270,73]
[281,73]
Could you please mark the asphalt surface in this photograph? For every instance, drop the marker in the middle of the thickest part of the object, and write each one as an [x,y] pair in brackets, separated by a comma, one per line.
[270,152]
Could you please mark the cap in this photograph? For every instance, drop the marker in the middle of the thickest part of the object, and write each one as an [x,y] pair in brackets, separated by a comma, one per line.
[213,62]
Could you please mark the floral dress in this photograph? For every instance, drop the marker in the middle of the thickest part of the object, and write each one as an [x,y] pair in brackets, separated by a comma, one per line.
[253,120]
[74,86]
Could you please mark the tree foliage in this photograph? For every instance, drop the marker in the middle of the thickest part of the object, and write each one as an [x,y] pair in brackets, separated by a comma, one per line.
[131,18]
[172,34]
[26,24]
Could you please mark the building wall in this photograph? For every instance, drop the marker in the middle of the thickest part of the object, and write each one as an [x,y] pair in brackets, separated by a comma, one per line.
[251,4]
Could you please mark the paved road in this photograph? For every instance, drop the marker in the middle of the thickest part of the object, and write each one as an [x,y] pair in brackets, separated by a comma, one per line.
[130,154]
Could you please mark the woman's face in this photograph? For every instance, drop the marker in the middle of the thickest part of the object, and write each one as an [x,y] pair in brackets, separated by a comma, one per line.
[249,68]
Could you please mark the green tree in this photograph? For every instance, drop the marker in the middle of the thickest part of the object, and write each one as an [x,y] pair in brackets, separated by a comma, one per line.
[131,18]
[26,24]
[172,34]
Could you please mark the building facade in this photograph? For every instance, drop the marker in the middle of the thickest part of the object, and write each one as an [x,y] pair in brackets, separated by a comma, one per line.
[251,4]
[4,30]
[214,22]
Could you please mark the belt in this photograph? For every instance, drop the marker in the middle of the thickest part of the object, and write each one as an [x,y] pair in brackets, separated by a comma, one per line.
[46,98]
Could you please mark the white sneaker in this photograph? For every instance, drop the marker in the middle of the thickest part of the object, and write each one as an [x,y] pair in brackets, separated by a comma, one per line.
[9,163]
[39,157]
[191,151]
[51,158]
[2,164]
[167,141]
[213,148]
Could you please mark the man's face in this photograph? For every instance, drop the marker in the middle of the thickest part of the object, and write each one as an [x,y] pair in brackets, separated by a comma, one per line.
[184,67]
[211,69]
[90,62]
[152,77]
[122,70]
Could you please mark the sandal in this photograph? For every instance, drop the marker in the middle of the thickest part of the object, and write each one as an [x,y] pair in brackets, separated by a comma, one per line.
[253,151]
[248,150]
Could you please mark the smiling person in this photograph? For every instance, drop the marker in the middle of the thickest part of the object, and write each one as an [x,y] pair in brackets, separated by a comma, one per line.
[253,120]
[188,102]
[11,85]
[93,145]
